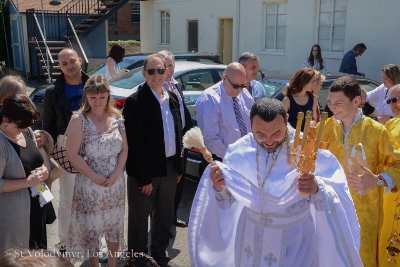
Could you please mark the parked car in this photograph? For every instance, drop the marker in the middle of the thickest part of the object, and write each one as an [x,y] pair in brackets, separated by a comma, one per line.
[276,82]
[133,61]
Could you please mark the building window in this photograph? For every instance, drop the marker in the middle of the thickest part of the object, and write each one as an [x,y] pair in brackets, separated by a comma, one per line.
[135,13]
[332,25]
[275,26]
[165,27]
[113,18]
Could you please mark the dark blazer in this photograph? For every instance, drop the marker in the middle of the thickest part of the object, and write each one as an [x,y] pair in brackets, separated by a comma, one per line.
[145,134]
[57,110]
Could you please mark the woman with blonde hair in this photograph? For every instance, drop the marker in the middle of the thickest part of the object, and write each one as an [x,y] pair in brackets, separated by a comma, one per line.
[299,95]
[11,85]
[98,151]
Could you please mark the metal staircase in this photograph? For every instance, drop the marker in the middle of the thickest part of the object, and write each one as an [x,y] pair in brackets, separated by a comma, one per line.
[83,15]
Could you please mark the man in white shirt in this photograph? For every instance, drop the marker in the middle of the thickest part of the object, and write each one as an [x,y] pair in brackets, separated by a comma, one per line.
[223,111]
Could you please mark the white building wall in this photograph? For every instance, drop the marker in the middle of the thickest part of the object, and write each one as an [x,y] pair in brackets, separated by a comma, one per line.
[373,22]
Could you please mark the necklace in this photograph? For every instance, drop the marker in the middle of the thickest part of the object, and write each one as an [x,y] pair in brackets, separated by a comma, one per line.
[15,140]
[261,184]
[101,117]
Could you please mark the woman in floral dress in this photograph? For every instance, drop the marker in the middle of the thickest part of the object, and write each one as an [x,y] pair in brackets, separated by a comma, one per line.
[99,153]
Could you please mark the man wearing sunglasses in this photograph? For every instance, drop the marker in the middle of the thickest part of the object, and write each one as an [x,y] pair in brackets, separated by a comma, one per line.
[390,203]
[223,111]
[376,171]
[174,86]
[154,166]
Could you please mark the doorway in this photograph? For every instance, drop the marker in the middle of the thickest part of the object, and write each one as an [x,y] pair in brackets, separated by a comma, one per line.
[225,40]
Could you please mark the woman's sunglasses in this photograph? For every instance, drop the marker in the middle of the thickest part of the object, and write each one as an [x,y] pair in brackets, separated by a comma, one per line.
[153,71]
[392,100]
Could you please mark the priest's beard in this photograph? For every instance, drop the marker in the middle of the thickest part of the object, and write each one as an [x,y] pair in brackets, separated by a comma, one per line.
[270,148]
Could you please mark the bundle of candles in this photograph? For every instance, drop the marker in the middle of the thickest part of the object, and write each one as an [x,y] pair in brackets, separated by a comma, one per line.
[310,143]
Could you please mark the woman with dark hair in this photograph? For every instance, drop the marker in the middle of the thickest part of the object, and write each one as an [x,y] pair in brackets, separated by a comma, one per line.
[315,61]
[114,57]
[99,192]
[299,95]
[19,157]
[380,95]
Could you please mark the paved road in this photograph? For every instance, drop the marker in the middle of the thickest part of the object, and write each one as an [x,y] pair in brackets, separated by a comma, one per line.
[178,249]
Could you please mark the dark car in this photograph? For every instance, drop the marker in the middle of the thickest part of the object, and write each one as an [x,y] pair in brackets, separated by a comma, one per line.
[133,61]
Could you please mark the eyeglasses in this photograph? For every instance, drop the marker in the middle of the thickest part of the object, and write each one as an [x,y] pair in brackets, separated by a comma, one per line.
[392,100]
[234,85]
[153,71]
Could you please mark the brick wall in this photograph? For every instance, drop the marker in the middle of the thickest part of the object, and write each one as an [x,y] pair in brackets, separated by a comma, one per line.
[124,29]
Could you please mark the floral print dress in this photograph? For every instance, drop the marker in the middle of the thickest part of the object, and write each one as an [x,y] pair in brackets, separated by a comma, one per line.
[98,211]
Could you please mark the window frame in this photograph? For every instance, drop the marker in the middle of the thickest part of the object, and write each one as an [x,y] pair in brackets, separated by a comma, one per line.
[275,49]
[165,32]
[135,12]
[331,28]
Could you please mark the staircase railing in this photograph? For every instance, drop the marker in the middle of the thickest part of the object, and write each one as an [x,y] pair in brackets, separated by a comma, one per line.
[79,43]
[80,10]
[46,47]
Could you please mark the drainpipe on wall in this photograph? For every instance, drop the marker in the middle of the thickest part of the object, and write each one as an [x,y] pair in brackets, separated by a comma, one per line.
[238,32]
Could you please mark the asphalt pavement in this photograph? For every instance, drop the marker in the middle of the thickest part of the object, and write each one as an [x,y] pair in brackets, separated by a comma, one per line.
[178,247]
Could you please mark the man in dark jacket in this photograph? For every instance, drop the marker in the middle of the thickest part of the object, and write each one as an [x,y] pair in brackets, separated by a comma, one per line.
[60,100]
[174,86]
[154,166]
[349,64]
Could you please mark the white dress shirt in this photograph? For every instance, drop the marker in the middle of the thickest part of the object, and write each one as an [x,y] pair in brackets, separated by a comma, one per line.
[168,123]
[378,97]
[217,120]
[316,65]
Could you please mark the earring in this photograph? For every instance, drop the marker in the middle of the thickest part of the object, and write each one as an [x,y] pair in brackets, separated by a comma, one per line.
[5,124]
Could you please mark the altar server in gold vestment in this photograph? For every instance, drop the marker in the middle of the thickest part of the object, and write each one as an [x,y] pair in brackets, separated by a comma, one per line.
[390,225]
[369,155]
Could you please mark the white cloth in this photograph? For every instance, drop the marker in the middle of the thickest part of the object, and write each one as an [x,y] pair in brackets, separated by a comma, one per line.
[116,69]
[316,65]
[275,227]
[217,120]
[67,183]
[378,97]
[168,123]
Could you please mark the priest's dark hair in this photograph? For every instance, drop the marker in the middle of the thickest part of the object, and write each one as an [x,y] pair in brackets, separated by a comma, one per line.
[267,109]
[348,85]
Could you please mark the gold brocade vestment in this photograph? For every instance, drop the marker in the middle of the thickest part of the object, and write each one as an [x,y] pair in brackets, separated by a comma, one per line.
[382,156]
[389,206]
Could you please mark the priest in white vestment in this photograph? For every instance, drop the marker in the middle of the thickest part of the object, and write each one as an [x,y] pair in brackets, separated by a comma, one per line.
[249,211]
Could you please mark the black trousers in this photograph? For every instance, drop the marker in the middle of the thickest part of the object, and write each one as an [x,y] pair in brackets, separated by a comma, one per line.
[160,204]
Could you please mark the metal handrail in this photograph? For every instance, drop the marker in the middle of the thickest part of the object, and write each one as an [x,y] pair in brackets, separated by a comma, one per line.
[77,39]
[45,43]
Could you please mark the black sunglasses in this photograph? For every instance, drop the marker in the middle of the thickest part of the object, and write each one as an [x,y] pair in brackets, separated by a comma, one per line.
[153,71]
[236,86]
[18,125]
[392,100]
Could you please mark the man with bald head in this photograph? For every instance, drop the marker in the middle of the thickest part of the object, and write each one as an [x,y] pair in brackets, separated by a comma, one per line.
[60,100]
[223,110]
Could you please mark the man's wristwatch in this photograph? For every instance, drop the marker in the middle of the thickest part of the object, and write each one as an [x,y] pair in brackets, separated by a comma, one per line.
[381,181]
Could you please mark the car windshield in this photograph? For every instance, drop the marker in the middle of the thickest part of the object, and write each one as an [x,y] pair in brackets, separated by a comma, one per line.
[129,79]
[272,88]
